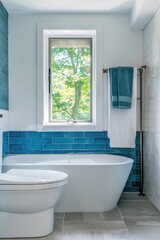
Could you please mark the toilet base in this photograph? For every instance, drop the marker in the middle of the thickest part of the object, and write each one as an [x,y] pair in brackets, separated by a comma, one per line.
[26,225]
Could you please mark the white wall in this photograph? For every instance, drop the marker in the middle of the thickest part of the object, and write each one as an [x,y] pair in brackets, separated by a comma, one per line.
[151,109]
[4,121]
[120,46]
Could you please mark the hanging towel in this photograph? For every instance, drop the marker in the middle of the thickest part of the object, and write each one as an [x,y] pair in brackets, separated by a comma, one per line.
[113,73]
[1,143]
[121,80]
[121,122]
[125,83]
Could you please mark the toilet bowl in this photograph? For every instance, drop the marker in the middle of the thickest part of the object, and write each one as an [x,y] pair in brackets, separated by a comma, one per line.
[27,201]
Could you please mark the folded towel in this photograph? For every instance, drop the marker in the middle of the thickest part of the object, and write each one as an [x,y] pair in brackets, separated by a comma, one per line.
[121,79]
[122,123]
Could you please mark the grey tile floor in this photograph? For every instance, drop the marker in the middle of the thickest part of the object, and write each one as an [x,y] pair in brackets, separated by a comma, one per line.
[135,218]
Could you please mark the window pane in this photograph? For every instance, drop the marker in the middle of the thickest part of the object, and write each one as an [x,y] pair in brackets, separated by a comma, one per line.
[70,64]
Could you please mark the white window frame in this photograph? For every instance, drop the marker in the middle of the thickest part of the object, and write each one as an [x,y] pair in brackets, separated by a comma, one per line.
[43,123]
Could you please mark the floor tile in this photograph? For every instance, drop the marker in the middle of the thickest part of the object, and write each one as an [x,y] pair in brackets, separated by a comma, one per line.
[132,196]
[107,225]
[115,230]
[73,217]
[58,214]
[140,221]
[143,228]
[92,217]
[92,235]
[49,237]
[113,215]
[137,208]
[58,224]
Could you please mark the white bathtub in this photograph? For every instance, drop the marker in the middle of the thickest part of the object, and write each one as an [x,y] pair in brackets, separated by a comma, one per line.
[95,182]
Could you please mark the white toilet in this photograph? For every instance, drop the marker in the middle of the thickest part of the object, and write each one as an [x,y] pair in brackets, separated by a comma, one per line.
[27,200]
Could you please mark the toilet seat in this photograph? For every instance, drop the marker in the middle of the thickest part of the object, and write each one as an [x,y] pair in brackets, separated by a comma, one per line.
[18,179]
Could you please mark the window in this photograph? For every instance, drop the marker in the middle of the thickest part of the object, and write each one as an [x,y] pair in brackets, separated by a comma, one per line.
[67,80]
[70,80]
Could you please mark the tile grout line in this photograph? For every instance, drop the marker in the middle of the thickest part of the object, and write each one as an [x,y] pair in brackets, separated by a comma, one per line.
[64,219]
[124,223]
[63,222]
[148,216]
[132,200]
[120,213]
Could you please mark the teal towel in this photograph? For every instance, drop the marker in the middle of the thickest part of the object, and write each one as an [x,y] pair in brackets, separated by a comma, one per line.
[113,73]
[125,83]
[121,87]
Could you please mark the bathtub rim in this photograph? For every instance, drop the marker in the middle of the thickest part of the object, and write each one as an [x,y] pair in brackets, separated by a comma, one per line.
[127,160]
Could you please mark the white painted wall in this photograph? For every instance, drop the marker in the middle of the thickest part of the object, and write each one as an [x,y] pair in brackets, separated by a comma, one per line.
[151,110]
[4,121]
[120,46]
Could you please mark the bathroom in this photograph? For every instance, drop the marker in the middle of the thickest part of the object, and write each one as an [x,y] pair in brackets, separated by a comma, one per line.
[127,34]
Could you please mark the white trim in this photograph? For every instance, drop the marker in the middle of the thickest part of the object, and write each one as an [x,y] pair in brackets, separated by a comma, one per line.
[60,34]
[43,124]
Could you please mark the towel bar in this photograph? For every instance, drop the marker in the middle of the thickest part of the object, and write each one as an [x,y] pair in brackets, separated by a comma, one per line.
[105,70]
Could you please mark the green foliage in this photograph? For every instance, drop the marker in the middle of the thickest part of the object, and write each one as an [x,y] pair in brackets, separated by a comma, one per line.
[71,84]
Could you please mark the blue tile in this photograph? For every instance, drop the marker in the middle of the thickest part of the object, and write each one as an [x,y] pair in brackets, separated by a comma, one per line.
[15,146]
[96,146]
[16,151]
[5,138]
[5,147]
[3,57]
[3,10]
[59,151]
[5,144]
[75,146]
[16,140]
[41,140]
[31,147]
[53,146]
[74,134]
[101,140]
[5,134]
[32,134]
[100,151]
[84,140]
[27,140]
[96,134]
[15,134]
[52,134]
[62,140]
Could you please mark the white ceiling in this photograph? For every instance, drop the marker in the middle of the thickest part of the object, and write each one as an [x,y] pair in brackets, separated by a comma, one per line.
[141,11]
[28,6]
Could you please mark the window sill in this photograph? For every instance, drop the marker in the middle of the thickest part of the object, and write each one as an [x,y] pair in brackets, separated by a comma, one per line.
[69,127]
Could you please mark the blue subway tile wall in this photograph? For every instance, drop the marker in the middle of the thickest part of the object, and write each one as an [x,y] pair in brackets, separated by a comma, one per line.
[5,148]
[3,58]
[74,142]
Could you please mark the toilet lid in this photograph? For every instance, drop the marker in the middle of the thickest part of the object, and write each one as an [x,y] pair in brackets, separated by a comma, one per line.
[22,177]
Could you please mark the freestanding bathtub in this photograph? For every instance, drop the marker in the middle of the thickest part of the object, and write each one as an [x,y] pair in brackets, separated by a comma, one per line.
[95,181]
